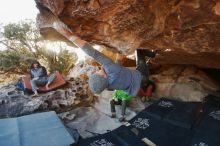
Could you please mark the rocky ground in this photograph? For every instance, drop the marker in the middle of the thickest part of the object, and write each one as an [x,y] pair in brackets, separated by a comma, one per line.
[96,119]
[16,103]
[74,103]
[185,83]
[80,109]
[77,112]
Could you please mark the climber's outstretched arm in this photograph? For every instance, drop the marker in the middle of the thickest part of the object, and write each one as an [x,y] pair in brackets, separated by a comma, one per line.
[86,47]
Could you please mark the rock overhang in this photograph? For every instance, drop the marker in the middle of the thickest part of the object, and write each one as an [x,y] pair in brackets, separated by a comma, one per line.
[182,32]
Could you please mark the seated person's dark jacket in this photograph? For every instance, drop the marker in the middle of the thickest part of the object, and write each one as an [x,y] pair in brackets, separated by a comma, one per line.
[40,71]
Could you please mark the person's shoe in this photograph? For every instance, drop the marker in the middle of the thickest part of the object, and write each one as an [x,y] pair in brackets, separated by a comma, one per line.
[149,53]
[34,95]
[145,99]
[113,115]
[122,119]
[47,87]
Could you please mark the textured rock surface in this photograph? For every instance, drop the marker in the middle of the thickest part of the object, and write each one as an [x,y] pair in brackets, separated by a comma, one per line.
[82,69]
[72,102]
[183,83]
[15,103]
[183,32]
[90,121]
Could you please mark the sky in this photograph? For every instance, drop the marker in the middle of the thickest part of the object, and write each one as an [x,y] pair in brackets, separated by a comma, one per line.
[12,11]
[16,10]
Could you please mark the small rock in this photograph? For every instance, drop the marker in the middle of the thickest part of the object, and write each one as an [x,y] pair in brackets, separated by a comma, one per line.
[67,116]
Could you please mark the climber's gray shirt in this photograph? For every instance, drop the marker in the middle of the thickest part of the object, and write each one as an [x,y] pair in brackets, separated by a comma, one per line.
[118,77]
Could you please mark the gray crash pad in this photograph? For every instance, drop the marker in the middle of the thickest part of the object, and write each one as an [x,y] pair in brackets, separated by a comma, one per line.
[41,129]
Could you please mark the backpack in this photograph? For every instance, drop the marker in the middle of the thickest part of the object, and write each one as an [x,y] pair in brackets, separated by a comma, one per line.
[19,85]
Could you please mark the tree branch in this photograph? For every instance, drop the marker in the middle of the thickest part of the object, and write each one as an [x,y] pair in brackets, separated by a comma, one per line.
[9,47]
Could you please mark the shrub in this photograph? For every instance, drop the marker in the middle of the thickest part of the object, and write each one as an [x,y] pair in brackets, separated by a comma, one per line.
[61,61]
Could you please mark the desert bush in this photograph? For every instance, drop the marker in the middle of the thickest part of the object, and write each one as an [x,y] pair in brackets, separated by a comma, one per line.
[61,61]
[23,43]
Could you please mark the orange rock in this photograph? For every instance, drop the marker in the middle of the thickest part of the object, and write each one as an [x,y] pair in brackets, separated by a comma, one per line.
[183,32]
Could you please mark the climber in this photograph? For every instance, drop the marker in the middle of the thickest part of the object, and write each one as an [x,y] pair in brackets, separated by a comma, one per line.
[122,98]
[113,75]
[147,86]
[39,77]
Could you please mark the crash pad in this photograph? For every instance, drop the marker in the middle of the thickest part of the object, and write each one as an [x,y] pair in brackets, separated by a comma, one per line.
[178,113]
[184,115]
[162,108]
[208,130]
[101,140]
[139,128]
[41,129]
[159,125]
[211,101]
[59,81]
[128,136]
[159,132]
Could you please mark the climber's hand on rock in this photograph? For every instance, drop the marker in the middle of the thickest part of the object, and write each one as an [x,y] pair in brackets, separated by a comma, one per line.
[67,33]
[64,30]
[119,57]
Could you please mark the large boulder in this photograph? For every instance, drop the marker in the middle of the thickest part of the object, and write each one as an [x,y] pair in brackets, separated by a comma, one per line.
[76,93]
[182,32]
[184,83]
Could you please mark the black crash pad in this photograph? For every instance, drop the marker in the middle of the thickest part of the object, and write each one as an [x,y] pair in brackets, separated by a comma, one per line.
[167,123]
[162,108]
[178,113]
[101,140]
[207,131]
[160,132]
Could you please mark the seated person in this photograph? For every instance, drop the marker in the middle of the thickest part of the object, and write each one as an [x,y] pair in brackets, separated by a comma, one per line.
[39,77]
[119,97]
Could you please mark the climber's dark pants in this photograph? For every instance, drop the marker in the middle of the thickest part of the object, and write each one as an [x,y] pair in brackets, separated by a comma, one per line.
[119,102]
[142,65]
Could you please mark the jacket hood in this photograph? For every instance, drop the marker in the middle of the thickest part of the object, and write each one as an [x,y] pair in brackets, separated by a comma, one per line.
[34,62]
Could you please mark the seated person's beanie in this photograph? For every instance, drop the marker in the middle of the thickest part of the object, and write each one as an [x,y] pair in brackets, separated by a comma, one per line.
[97,83]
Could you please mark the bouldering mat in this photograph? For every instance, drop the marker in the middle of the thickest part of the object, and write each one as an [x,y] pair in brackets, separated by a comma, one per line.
[162,108]
[160,125]
[59,81]
[159,132]
[184,115]
[41,129]
[178,113]
[101,140]
[208,130]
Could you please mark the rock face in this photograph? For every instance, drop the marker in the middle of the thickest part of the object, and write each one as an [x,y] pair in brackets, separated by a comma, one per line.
[183,83]
[72,102]
[90,121]
[183,32]
[82,69]
[74,94]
